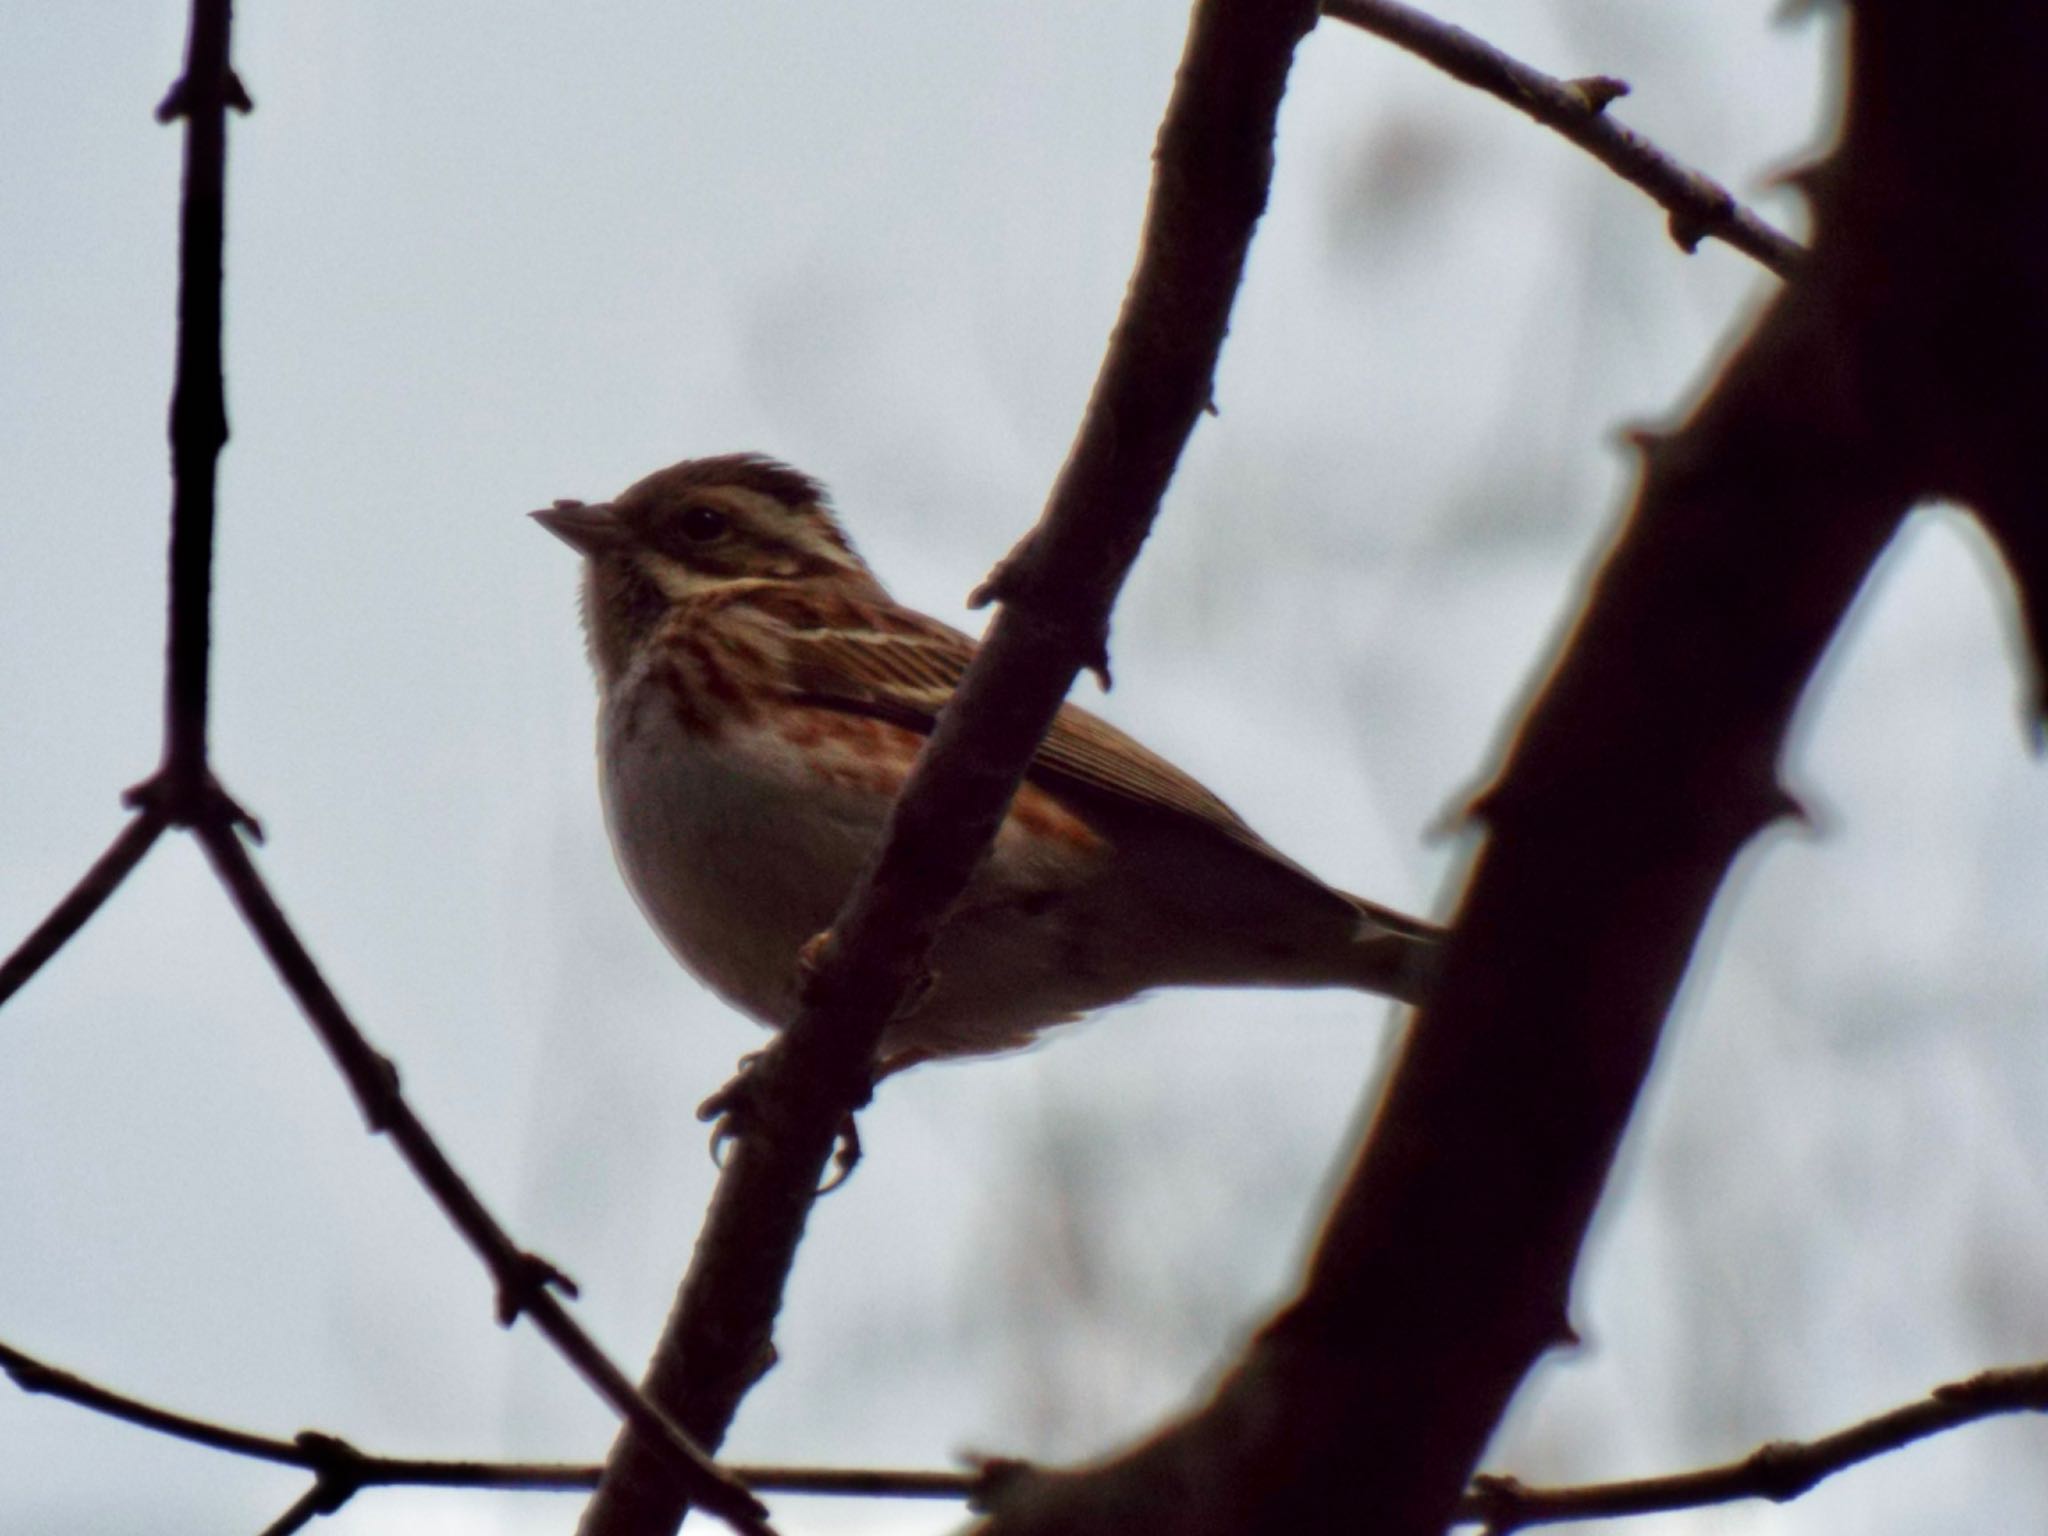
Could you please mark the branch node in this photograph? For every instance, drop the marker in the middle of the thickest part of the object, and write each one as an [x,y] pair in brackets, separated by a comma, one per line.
[1501,1503]
[177,100]
[190,797]
[338,1468]
[1782,1470]
[382,1093]
[995,1479]
[1598,92]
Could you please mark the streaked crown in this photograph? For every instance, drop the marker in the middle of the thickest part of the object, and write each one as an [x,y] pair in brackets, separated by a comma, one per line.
[692,529]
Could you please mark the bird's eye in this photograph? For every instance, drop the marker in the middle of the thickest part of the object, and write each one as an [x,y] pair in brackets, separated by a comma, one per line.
[700,525]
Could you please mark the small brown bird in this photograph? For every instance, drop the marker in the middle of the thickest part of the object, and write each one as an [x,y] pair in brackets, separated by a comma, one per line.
[761,700]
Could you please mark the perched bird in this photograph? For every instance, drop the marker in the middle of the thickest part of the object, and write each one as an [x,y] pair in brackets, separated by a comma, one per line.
[761,700]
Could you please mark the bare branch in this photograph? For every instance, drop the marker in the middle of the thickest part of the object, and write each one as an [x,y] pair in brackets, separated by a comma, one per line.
[33,1375]
[82,901]
[199,423]
[1646,764]
[305,1509]
[1700,207]
[341,1470]
[184,792]
[1780,1471]
[1213,162]
[525,1281]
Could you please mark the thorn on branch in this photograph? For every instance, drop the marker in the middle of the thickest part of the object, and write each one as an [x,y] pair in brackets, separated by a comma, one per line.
[1689,226]
[1015,582]
[1780,804]
[177,100]
[1648,442]
[530,1277]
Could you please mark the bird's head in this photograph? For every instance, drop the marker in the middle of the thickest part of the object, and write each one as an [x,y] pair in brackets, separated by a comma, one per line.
[691,529]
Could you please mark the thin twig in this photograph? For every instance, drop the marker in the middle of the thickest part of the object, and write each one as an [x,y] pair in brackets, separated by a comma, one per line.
[1780,1471]
[1700,207]
[84,899]
[199,423]
[305,1509]
[1213,163]
[184,792]
[525,1281]
[342,1469]
[33,1375]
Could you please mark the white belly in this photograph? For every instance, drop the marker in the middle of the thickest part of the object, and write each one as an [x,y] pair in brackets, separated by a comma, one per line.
[740,847]
[733,853]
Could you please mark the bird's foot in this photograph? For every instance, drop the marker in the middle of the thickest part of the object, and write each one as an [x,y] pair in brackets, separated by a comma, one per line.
[743,1107]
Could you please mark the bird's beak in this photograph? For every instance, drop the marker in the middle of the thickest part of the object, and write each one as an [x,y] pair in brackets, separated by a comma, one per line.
[588,528]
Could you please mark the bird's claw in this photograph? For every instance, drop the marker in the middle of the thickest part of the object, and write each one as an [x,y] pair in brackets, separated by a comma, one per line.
[740,1108]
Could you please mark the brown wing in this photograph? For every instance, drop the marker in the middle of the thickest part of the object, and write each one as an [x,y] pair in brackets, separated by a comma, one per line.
[907,671]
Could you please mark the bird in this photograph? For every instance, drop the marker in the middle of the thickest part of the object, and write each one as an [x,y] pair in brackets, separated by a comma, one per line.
[761,700]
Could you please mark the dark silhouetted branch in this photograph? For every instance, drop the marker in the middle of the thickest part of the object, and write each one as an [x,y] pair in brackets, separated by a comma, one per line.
[340,1470]
[525,1282]
[184,792]
[199,420]
[1780,1471]
[1700,207]
[306,1508]
[78,906]
[1915,343]
[1213,163]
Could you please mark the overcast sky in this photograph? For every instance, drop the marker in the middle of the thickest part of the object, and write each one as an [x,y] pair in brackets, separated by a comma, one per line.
[481,256]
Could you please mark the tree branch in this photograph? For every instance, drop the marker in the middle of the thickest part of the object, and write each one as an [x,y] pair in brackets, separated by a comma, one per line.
[1780,1471]
[81,902]
[525,1281]
[341,1470]
[1700,207]
[1646,764]
[184,792]
[198,422]
[1213,163]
